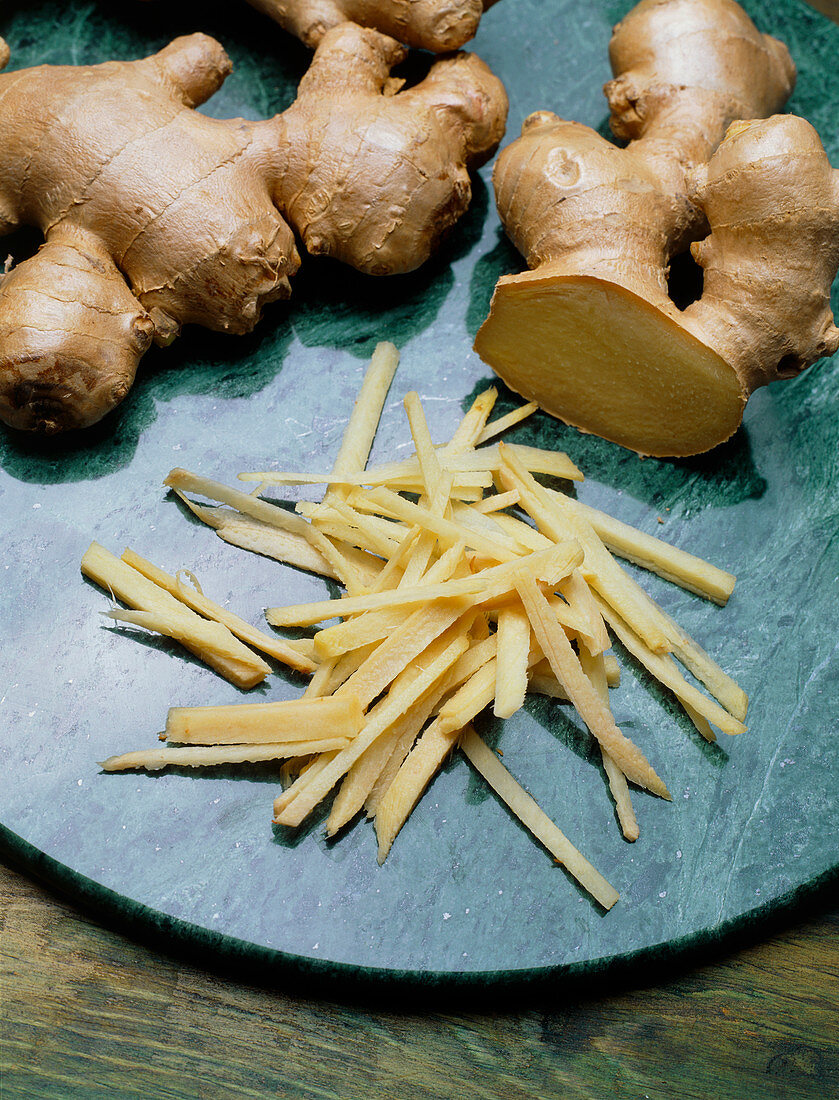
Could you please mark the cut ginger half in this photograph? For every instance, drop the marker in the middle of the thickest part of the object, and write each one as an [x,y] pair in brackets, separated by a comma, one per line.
[712,167]
[651,386]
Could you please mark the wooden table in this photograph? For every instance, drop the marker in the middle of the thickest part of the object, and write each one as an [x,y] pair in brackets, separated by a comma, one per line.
[88,1013]
[827,7]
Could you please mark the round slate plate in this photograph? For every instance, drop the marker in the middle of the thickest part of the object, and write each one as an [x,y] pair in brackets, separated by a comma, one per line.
[465,893]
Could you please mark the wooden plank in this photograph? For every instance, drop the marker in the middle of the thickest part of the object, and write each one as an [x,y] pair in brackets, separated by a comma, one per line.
[88,1014]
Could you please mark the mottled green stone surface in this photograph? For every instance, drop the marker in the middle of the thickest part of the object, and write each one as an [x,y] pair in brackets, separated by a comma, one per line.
[465,891]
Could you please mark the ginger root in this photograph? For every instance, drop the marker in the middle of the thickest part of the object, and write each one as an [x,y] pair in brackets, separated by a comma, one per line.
[155,216]
[590,332]
[436,25]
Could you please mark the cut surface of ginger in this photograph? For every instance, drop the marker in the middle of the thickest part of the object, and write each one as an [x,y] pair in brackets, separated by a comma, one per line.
[651,386]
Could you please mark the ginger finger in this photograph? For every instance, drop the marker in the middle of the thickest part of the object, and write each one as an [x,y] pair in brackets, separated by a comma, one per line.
[383,209]
[63,313]
[436,25]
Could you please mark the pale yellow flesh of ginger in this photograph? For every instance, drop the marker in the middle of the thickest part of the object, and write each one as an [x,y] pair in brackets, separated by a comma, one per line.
[591,333]
[602,359]
[451,607]
[255,723]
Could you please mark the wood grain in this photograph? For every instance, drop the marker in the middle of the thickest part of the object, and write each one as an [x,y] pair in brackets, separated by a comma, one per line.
[89,1014]
[827,7]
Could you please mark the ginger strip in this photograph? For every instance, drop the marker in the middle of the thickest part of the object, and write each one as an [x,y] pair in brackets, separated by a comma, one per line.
[318,686]
[471,427]
[660,557]
[665,671]
[535,460]
[197,601]
[594,666]
[258,723]
[202,756]
[429,464]
[466,481]
[354,451]
[549,566]
[591,708]
[496,503]
[508,420]
[212,642]
[401,696]
[366,414]
[702,724]
[620,793]
[513,652]
[534,818]
[183,481]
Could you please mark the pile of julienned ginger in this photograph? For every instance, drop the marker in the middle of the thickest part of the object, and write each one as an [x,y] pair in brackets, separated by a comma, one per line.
[468,583]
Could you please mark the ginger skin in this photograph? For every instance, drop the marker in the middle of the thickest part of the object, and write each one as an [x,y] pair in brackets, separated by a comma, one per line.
[436,25]
[163,216]
[590,332]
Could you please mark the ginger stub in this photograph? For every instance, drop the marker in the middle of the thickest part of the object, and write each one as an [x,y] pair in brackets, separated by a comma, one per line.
[590,332]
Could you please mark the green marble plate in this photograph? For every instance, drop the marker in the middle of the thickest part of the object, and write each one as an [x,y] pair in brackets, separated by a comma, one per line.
[465,894]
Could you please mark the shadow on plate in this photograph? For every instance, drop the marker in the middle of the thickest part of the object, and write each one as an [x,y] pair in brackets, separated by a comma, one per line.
[719,479]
